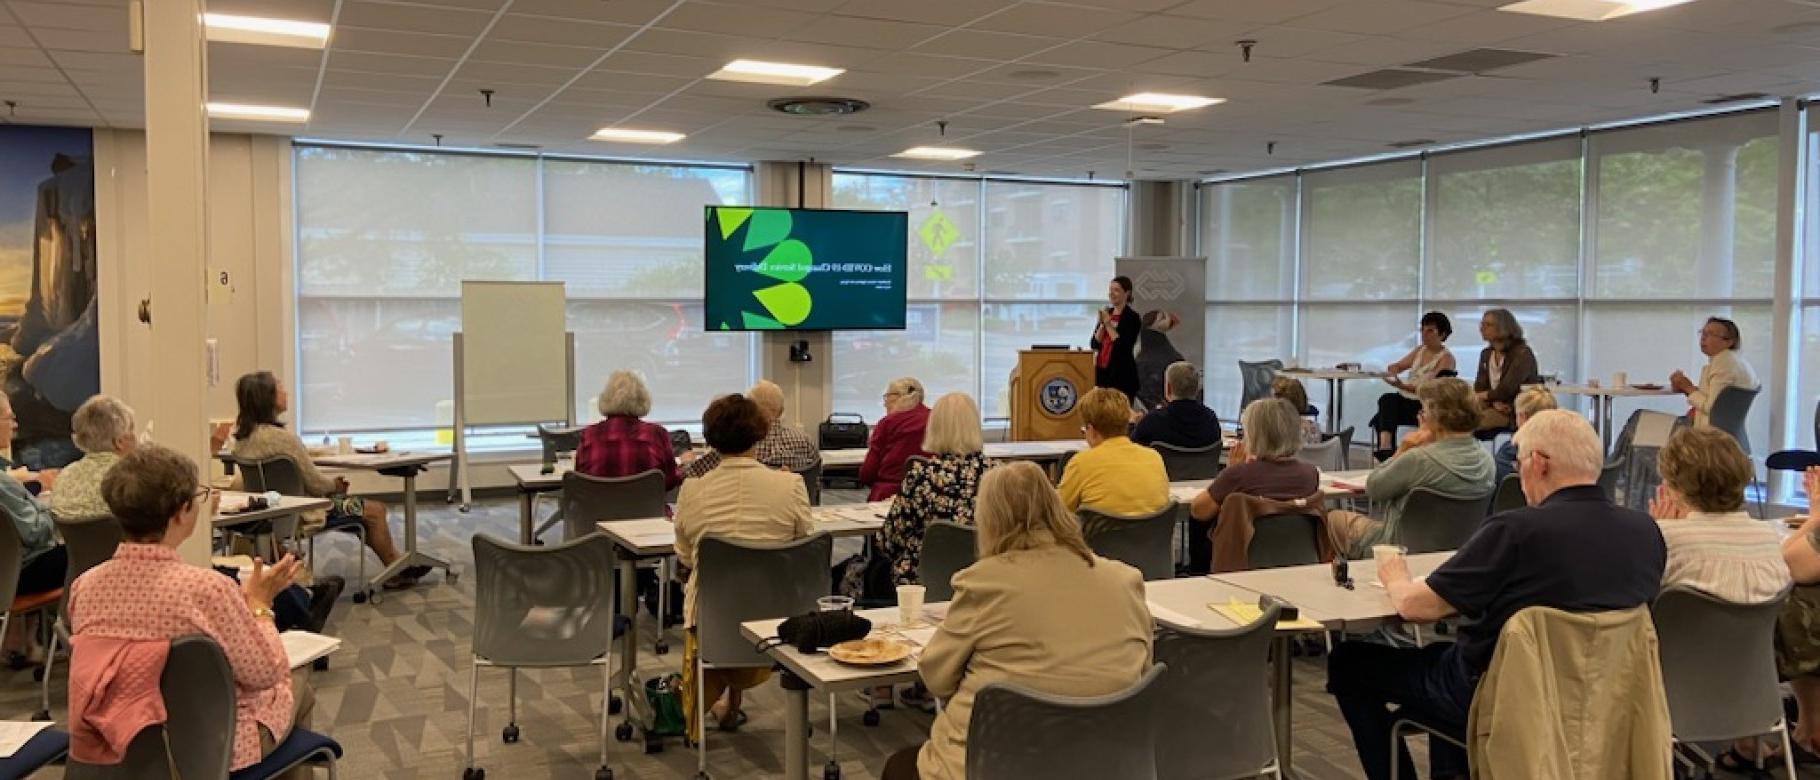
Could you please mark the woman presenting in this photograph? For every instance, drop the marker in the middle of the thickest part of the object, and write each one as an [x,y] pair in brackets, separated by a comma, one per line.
[1115,338]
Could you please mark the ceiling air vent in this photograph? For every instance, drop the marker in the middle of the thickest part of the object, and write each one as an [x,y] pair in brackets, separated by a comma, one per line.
[1480,60]
[518,146]
[818,106]
[1742,97]
[1413,143]
[1391,78]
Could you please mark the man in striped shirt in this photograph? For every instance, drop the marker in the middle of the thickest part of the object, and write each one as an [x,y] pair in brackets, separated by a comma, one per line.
[783,447]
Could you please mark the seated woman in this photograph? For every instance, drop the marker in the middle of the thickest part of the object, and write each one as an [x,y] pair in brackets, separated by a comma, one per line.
[44,559]
[1798,628]
[104,429]
[743,500]
[258,435]
[1425,362]
[1725,367]
[1038,609]
[623,444]
[1529,402]
[148,594]
[1505,366]
[1291,390]
[1113,475]
[1441,456]
[897,438]
[1714,546]
[1263,465]
[941,487]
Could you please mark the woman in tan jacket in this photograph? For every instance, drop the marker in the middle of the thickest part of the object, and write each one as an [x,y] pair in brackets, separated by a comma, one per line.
[1039,609]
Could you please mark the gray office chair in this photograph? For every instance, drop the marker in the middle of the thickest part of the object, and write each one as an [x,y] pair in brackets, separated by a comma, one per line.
[1510,495]
[88,543]
[1344,436]
[680,442]
[1729,414]
[557,442]
[1328,456]
[1254,379]
[589,500]
[12,560]
[1019,734]
[1213,717]
[1797,460]
[948,547]
[285,477]
[197,737]
[1283,540]
[1185,463]
[1610,474]
[1698,634]
[541,607]
[1145,541]
[736,582]
[812,481]
[1436,522]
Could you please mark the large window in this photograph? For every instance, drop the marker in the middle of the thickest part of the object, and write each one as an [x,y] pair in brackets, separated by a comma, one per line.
[385,237]
[995,266]
[1611,249]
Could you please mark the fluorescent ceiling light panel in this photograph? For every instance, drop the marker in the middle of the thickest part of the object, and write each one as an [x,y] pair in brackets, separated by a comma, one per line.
[783,73]
[1159,103]
[944,153]
[622,135]
[1588,10]
[258,113]
[228,28]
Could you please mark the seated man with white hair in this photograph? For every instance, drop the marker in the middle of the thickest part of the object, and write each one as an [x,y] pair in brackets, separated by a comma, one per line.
[783,447]
[1184,421]
[1571,549]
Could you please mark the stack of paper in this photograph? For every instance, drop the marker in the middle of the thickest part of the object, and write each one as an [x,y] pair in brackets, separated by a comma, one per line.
[303,647]
[1243,614]
[15,733]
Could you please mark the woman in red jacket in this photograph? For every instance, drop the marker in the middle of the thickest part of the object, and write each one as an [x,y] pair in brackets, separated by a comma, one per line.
[895,439]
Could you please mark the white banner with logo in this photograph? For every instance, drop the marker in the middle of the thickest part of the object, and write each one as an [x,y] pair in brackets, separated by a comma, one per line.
[1171,293]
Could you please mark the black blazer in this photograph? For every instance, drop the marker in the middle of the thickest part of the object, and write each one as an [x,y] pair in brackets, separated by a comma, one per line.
[1519,370]
[1122,373]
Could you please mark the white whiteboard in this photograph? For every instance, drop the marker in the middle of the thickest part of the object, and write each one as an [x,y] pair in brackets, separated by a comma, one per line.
[514,363]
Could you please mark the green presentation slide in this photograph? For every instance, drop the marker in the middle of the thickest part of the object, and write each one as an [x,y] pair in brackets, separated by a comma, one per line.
[805,269]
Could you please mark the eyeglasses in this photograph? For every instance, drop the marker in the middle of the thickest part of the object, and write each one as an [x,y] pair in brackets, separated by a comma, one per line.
[893,396]
[203,494]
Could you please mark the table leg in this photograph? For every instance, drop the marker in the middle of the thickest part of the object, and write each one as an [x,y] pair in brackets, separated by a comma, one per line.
[796,727]
[410,557]
[1283,693]
[1333,404]
[1605,412]
[628,606]
[527,524]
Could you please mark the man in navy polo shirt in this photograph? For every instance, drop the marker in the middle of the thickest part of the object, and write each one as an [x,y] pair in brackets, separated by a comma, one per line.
[1184,421]
[1570,549]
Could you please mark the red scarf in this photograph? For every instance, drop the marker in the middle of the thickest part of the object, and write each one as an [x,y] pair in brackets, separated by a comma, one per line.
[1106,342]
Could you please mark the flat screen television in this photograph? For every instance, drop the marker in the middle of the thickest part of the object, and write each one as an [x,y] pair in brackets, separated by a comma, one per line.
[805,269]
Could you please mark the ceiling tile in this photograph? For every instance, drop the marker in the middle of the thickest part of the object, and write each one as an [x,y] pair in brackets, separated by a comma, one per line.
[944,12]
[1251,10]
[1094,54]
[390,63]
[564,32]
[1058,21]
[411,18]
[860,31]
[66,16]
[387,42]
[636,12]
[572,58]
[736,19]
[1178,32]
[987,45]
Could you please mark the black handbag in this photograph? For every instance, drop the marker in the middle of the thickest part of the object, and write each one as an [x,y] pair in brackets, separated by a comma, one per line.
[843,432]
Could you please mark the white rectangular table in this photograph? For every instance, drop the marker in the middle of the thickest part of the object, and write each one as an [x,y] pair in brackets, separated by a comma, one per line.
[1602,398]
[288,506]
[404,465]
[998,450]
[1336,386]
[1334,484]
[1311,588]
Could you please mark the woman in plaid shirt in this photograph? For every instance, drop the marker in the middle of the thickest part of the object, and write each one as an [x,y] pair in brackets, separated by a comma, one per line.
[623,444]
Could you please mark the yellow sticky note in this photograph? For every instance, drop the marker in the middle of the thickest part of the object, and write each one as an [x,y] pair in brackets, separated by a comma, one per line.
[1244,614]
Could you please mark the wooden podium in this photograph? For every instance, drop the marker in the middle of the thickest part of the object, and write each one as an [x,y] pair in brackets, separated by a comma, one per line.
[1046,388]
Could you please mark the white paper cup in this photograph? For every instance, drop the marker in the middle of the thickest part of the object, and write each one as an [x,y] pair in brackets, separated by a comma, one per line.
[910,604]
[345,445]
[1620,379]
[834,603]
[1383,552]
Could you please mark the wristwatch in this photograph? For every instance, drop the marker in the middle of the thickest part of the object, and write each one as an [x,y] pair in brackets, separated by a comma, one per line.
[264,612]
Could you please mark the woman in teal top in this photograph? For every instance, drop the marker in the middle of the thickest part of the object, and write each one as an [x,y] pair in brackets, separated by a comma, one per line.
[1441,456]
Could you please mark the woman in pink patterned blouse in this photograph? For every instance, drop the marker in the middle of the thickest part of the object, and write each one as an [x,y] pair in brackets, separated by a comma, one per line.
[147,594]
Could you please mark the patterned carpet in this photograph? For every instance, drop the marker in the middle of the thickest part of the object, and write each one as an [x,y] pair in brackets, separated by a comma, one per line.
[396,695]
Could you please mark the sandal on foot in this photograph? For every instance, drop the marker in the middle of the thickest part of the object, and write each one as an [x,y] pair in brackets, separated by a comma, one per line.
[733,723]
[399,582]
[1733,761]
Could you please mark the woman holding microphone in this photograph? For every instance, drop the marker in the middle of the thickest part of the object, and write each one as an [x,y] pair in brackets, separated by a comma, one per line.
[1115,338]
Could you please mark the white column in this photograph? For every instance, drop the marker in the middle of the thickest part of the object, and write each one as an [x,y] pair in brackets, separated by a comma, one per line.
[177,149]
[808,387]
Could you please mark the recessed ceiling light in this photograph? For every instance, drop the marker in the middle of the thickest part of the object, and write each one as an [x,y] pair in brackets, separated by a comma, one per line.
[228,28]
[1159,103]
[759,72]
[1588,10]
[947,153]
[258,113]
[622,135]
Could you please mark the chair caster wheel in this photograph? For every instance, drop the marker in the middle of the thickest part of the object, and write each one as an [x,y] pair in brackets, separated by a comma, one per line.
[614,705]
[653,745]
[870,718]
[603,773]
[378,597]
[537,542]
[623,732]
[510,734]
[701,776]
[451,576]
[320,664]
[360,597]
[831,771]
[41,715]
[661,648]
[473,773]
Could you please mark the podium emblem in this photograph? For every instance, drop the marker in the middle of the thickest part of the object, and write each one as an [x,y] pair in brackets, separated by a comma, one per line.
[1058,397]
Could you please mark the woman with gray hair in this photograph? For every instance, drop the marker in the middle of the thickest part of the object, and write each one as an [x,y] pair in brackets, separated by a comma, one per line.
[1505,366]
[896,439]
[623,444]
[103,428]
[1263,465]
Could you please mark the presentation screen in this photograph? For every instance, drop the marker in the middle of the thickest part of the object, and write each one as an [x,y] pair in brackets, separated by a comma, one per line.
[805,269]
